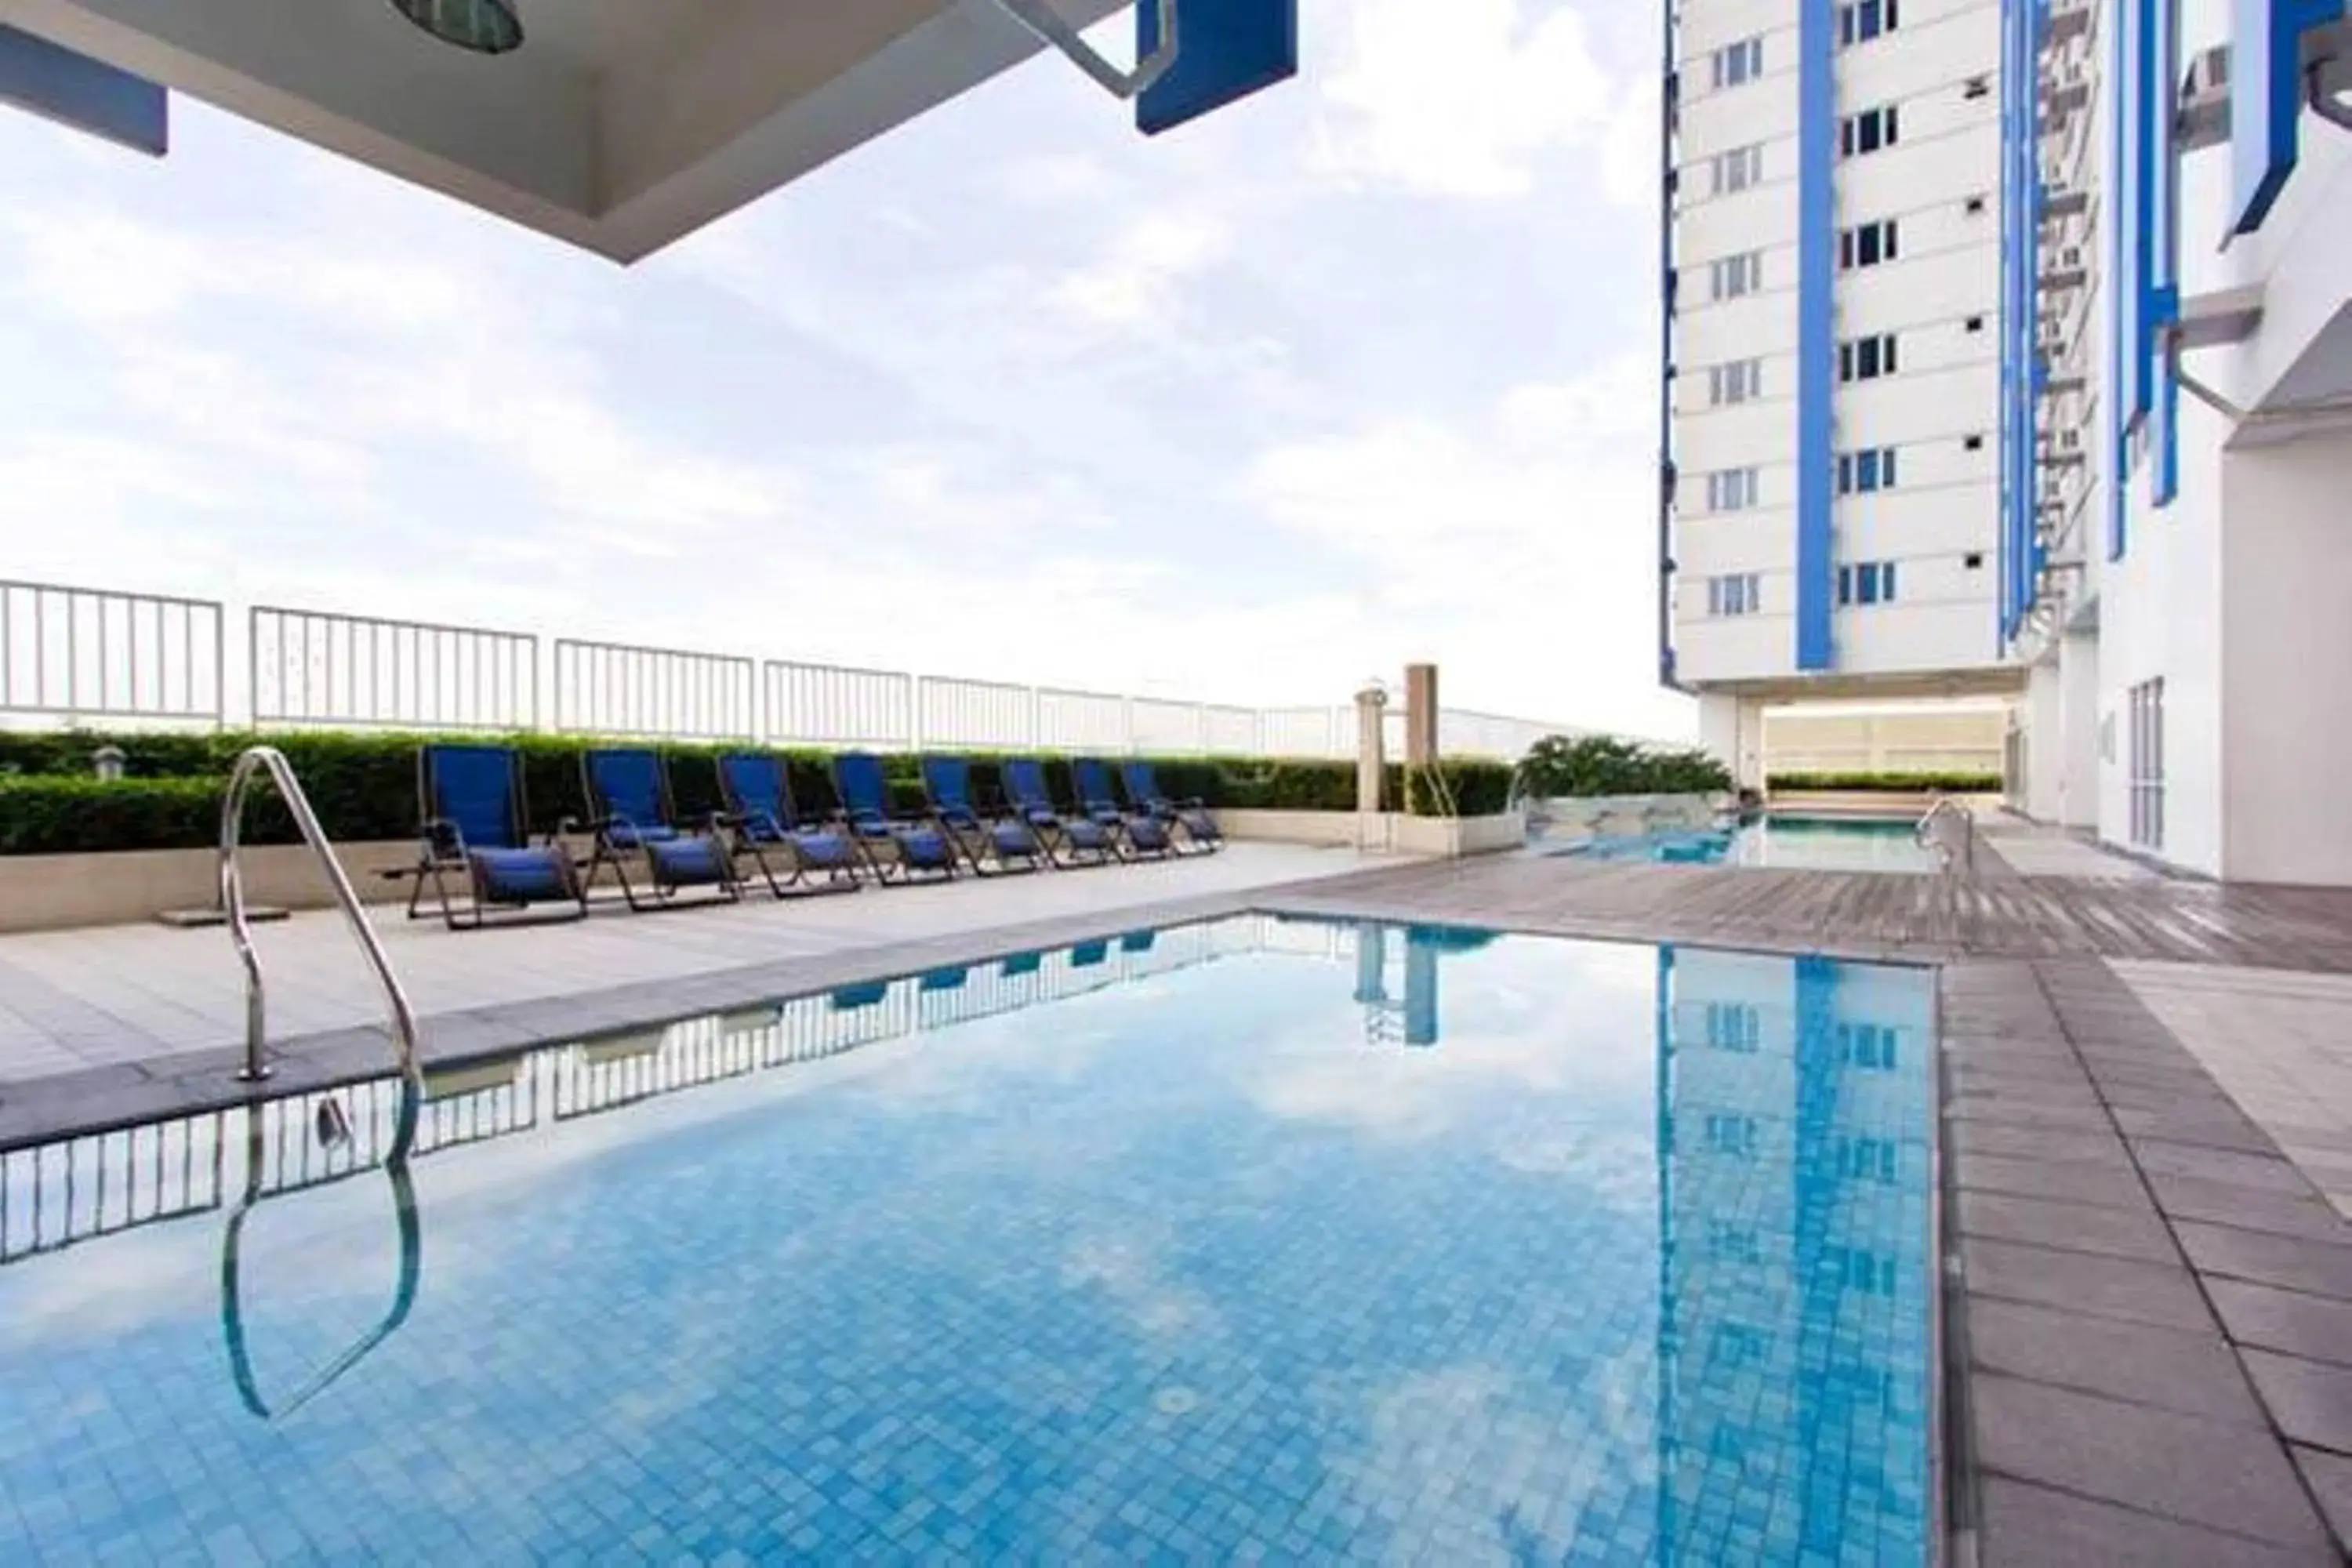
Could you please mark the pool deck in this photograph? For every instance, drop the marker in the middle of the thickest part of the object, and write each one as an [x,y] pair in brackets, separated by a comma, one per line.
[2146,1134]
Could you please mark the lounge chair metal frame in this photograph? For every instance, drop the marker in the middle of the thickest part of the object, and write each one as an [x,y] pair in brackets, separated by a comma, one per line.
[1006,837]
[618,837]
[443,850]
[1191,815]
[870,825]
[1064,839]
[1137,834]
[752,828]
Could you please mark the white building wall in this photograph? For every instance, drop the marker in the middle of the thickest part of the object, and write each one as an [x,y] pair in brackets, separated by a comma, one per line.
[1939,296]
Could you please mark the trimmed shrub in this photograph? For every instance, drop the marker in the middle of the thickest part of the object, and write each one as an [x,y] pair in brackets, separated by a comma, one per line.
[67,816]
[1903,784]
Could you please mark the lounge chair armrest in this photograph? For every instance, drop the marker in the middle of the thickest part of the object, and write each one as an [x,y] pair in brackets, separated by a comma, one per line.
[447,839]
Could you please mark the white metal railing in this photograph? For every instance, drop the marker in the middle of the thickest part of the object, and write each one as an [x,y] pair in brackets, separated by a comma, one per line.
[86,655]
[315,667]
[973,714]
[78,653]
[653,693]
[830,705]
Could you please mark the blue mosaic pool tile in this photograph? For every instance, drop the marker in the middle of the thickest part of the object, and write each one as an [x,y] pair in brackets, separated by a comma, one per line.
[1631,1266]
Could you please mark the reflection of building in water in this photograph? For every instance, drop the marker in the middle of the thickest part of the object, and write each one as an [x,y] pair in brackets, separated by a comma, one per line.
[1405,1009]
[1793,1206]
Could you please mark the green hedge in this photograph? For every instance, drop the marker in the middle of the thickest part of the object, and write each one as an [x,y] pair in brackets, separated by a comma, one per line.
[1904,783]
[65,817]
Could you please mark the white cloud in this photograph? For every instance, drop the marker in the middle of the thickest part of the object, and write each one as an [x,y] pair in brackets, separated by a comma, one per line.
[1134,283]
[1461,99]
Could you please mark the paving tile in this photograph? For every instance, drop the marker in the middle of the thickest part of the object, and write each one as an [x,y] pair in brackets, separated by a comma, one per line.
[2116,1231]
[2232,1129]
[2193,1374]
[2266,1170]
[2330,1475]
[2164,1296]
[2316,1327]
[2180,1467]
[2076,1182]
[2087,1117]
[2043,1143]
[2311,1400]
[2034,1526]
[2247,1208]
[2321,1267]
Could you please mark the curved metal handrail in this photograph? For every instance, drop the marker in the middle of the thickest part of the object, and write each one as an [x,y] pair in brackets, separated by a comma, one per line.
[1945,806]
[257,760]
[404,1300]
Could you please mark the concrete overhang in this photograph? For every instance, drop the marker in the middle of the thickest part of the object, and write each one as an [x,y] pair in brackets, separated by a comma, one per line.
[1987,681]
[619,126]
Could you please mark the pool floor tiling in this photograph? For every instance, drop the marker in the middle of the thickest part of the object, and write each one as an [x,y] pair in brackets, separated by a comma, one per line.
[1252,1238]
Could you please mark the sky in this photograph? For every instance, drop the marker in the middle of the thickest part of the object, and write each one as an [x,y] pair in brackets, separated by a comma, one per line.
[1358,372]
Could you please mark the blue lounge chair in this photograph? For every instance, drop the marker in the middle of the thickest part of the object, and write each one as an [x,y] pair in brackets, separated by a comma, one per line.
[1135,832]
[865,792]
[761,818]
[628,790]
[1066,838]
[477,822]
[1199,829]
[1012,844]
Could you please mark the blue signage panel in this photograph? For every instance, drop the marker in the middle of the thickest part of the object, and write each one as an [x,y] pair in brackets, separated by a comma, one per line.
[86,94]
[1227,49]
[1817,133]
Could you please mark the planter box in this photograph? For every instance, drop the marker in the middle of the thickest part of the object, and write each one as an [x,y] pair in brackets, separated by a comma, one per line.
[1870,803]
[1388,832]
[1585,816]
[51,892]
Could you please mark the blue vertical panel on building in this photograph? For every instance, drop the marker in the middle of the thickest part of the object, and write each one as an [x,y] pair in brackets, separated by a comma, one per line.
[2123,402]
[86,94]
[1816,343]
[2010,256]
[2163,311]
[2266,99]
[1669,121]
[1226,50]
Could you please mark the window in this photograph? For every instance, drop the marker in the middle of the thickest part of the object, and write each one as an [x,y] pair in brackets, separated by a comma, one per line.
[1734,1026]
[1740,594]
[1867,245]
[1867,132]
[1736,64]
[1739,169]
[1866,359]
[1867,583]
[1731,276]
[2146,780]
[1872,469]
[1731,489]
[1734,383]
[1859,21]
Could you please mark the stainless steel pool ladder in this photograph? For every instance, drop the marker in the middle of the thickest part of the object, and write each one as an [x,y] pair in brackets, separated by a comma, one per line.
[1925,838]
[252,763]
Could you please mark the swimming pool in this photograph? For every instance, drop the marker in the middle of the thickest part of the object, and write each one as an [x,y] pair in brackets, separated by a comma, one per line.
[1317,1239]
[1824,844]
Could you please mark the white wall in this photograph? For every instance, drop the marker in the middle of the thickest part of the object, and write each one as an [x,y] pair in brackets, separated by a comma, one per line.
[2076,743]
[2286,602]
[1731,728]
[2042,719]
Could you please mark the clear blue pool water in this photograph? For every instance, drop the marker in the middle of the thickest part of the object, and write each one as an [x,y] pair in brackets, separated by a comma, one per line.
[1296,1239]
[1820,843]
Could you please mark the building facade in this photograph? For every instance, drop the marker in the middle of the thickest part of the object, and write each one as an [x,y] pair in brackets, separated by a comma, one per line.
[1833,266]
[2102,451]
[2190,520]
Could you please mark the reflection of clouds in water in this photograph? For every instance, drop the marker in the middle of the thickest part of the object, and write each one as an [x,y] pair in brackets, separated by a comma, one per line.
[1620,1168]
[1127,1272]
[1466,1458]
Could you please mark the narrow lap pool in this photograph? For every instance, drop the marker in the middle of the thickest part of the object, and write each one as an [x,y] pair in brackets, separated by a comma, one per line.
[1307,1240]
[1820,843]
